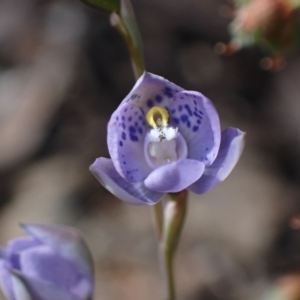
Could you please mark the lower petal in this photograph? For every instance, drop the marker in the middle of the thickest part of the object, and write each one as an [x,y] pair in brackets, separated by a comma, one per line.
[133,193]
[175,177]
[232,144]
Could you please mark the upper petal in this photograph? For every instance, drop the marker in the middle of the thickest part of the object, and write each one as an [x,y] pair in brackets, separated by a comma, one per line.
[175,177]
[152,90]
[198,121]
[125,138]
[133,193]
[67,241]
[232,145]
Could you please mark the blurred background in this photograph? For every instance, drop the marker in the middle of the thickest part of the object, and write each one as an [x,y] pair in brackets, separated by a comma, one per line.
[64,70]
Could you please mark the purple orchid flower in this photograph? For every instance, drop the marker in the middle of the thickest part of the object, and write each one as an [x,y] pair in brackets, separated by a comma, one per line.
[163,139]
[53,263]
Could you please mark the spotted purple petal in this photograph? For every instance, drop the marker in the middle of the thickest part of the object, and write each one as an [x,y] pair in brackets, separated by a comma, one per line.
[126,133]
[232,143]
[133,193]
[175,177]
[198,122]
[152,90]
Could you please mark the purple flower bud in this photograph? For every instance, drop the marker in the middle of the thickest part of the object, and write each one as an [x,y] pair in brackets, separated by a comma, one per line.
[164,139]
[52,263]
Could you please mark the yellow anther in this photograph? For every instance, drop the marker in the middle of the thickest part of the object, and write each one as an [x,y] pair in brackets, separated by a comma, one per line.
[157,116]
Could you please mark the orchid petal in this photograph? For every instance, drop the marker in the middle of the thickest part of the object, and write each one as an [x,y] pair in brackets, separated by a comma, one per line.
[151,90]
[19,288]
[5,280]
[43,262]
[16,246]
[232,144]
[126,131]
[66,241]
[198,122]
[42,290]
[175,177]
[133,193]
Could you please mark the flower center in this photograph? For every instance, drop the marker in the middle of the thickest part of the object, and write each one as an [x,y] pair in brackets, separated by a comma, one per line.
[161,139]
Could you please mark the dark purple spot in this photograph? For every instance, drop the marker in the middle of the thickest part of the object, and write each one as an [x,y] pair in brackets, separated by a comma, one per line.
[136,113]
[129,119]
[198,121]
[176,120]
[123,125]
[195,128]
[140,118]
[173,111]
[133,137]
[124,162]
[121,143]
[123,135]
[133,96]
[125,110]
[180,107]
[184,118]
[144,123]
[200,112]
[206,149]
[197,115]
[188,109]
[132,129]
[117,118]
[136,124]
[188,124]
[158,98]
[168,92]
[123,118]
[150,103]
[195,102]
[140,130]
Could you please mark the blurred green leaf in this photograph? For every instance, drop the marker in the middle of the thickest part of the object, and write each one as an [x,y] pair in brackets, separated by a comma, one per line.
[104,5]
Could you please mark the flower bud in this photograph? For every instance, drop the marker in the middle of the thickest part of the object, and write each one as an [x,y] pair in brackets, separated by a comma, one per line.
[52,263]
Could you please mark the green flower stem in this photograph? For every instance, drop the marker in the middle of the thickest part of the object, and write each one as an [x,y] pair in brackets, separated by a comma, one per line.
[174,217]
[158,218]
[125,23]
